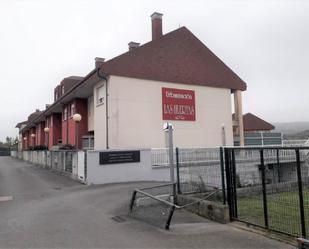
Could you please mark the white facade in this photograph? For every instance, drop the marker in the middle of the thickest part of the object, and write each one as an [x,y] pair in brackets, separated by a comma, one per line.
[135,115]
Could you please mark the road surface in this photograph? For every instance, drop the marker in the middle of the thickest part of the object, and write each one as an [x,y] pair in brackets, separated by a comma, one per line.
[42,209]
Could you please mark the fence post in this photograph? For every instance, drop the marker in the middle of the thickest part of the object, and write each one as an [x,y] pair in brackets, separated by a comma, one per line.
[177,171]
[234,185]
[278,165]
[264,188]
[301,197]
[222,175]
[228,183]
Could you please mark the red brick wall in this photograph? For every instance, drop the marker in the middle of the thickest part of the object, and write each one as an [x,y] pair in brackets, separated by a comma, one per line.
[25,143]
[69,126]
[32,141]
[81,106]
[55,128]
[40,135]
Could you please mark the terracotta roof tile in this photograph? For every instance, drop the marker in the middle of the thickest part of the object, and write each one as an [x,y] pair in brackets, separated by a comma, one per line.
[254,123]
[177,57]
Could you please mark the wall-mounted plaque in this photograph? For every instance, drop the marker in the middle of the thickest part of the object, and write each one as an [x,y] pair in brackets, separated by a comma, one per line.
[113,157]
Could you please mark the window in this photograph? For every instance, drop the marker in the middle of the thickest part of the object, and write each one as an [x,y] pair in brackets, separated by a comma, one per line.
[56,95]
[100,95]
[72,109]
[62,90]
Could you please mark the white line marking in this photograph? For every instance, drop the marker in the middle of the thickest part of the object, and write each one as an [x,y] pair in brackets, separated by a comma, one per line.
[6,198]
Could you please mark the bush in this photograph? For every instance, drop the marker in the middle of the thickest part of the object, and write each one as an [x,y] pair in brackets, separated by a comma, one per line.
[67,147]
[38,147]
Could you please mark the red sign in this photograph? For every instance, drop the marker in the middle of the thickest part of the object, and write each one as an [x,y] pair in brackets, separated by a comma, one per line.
[178,104]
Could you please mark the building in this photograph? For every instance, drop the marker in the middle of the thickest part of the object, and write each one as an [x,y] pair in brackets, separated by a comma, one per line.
[257,132]
[124,101]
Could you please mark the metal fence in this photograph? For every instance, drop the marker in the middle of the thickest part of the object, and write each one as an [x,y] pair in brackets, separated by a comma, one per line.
[198,170]
[263,186]
[269,187]
[4,151]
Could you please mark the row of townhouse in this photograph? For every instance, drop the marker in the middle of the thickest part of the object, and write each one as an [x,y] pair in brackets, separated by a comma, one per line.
[123,102]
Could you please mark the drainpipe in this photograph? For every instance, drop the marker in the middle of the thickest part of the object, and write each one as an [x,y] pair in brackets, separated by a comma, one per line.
[102,76]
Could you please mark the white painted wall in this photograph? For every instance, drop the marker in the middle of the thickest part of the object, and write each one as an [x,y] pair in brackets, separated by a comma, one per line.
[90,113]
[124,172]
[135,116]
[99,118]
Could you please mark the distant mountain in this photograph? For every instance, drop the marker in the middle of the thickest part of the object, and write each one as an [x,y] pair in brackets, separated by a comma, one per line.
[292,127]
[297,136]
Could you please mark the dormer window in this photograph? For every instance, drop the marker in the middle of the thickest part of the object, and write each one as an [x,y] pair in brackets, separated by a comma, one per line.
[62,90]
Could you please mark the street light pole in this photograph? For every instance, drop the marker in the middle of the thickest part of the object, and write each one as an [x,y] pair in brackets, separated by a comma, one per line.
[46,130]
[77,118]
[33,142]
[168,127]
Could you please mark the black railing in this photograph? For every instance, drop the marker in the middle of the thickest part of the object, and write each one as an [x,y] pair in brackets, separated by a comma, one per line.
[269,187]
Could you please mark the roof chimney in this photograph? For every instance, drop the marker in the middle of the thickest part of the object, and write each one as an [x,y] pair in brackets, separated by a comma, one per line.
[156,19]
[98,61]
[133,45]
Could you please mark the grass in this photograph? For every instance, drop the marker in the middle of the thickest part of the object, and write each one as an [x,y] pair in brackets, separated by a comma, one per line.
[283,211]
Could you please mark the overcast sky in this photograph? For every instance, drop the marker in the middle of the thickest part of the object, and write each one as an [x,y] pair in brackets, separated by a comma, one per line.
[264,42]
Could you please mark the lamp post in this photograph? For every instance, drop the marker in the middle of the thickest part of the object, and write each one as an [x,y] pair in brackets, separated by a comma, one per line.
[77,118]
[25,141]
[33,137]
[46,130]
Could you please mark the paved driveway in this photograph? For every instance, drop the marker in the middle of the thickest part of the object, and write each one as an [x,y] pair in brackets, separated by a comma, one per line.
[51,211]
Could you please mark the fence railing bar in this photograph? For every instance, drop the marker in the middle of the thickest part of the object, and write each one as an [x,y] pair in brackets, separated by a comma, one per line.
[301,197]
[222,175]
[264,188]
[229,183]
[157,186]
[234,185]
[177,171]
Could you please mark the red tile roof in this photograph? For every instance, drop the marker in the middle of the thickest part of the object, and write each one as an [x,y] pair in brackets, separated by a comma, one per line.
[254,123]
[177,57]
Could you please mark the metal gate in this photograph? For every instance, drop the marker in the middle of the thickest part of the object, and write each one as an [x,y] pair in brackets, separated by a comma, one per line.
[269,187]
[5,152]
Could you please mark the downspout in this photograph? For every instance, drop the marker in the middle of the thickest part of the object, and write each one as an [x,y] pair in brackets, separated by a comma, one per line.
[102,76]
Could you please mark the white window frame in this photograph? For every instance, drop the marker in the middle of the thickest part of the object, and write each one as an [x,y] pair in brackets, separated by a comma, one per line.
[65,113]
[72,109]
[100,99]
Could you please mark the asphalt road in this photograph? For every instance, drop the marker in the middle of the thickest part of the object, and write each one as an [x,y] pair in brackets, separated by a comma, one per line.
[49,210]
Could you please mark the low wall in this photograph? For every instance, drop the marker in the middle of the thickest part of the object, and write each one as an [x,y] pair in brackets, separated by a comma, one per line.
[71,163]
[124,172]
[208,209]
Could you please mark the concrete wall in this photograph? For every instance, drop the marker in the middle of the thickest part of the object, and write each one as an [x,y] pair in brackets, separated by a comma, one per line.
[90,114]
[99,119]
[125,172]
[135,116]
[57,161]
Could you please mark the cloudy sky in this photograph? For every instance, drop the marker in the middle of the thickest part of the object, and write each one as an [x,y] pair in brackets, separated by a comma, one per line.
[264,42]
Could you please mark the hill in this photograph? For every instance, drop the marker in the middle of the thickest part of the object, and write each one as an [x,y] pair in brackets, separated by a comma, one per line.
[292,127]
